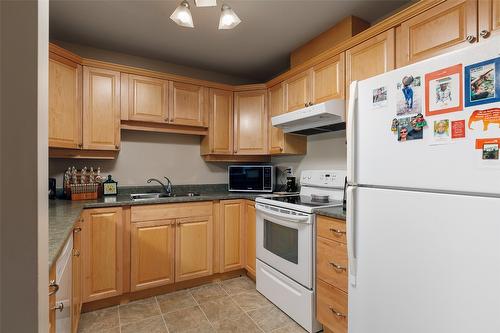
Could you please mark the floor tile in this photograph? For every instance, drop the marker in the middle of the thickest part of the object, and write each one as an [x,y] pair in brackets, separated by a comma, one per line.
[238,324]
[175,301]
[99,320]
[238,285]
[291,328]
[187,320]
[221,308]
[207,292]
[269,318]
[150,325]
[138,310]
[250,300]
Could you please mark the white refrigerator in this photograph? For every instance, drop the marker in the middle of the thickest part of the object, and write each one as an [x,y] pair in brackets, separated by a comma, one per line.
[423,216]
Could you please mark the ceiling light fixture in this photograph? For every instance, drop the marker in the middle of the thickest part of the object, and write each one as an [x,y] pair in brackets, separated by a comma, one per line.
[182,15]
[228,18]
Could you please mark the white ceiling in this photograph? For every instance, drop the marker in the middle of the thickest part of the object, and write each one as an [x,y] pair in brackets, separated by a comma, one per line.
[256,50]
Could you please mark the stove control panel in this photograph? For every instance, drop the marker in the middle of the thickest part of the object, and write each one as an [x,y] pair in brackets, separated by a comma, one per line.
[323,178]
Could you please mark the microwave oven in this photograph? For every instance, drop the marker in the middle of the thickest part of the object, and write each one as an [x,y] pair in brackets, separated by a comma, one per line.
[251,178]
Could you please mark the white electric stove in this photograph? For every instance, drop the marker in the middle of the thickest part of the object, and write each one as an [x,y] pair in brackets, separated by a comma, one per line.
[285,227]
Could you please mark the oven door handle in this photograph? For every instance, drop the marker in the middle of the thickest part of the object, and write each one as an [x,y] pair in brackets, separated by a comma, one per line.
[288,217]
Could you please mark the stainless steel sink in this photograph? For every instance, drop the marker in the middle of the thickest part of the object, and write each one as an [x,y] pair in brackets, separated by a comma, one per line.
[148,196]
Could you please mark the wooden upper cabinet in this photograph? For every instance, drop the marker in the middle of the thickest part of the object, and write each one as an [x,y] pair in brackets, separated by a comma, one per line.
[144,98]
[194,247]
[279,142]
[328,80]
[298,91]
[151,254]
[232,234]
[102,252]
[372,57]
[101,109]
[250,122]
[65,103]
[187,104]
[220,130]
[489,18]
[448,26]
[250,242]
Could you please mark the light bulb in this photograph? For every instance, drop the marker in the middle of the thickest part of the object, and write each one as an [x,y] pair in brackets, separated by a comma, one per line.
[182,15]
[228,18]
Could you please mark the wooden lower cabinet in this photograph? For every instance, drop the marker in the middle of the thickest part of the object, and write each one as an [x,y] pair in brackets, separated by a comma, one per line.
[151,254]
[52,300]
[102,251]
[250,256]
[232,234]
[331,307]
[76,288]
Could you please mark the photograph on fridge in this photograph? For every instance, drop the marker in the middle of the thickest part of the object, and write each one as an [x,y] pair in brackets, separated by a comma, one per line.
[409,95]
[408,129]
[444,91]
[441,132]
[482,82]
[379,97]
[490,151]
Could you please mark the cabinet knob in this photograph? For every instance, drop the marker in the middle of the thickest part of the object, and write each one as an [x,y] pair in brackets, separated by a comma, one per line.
[80,145]
[281,149]
[484,34]
[337,267]
[76,253]
[53,287]
[117,147]
[305,105]
[59,307]
[338,314]
[471,39]
[310,103]
[77,230]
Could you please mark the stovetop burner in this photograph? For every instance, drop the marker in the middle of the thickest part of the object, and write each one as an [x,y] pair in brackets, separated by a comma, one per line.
[304,200]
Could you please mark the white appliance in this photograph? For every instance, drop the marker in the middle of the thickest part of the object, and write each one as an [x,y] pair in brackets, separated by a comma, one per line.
[423,220]
[63,295]
[313,119]
[285,227]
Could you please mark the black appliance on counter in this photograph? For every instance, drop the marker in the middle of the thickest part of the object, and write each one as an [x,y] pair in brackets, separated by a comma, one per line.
[251,178]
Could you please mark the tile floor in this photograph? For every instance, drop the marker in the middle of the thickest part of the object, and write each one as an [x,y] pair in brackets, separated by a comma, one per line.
[226,306]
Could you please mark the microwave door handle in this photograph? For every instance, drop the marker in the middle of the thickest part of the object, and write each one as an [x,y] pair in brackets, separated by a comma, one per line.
[288,217]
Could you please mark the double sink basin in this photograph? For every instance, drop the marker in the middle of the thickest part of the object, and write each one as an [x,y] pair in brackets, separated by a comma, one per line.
[155,195]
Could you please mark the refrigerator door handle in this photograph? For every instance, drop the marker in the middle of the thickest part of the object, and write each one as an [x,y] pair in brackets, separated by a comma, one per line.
[351,132]
[351,235]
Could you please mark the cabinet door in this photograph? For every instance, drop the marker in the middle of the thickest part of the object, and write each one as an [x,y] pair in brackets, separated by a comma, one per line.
[220,137]
[448,26]
[298,91]
[151,254]
[250,123]
[193,247]
[65,103]
[76,295]
[372,57]
[232,234]
[147,98]
[276,107]
[250,237]
[101,109]
[328,80]
[489,18]
[187,104]
[102,252]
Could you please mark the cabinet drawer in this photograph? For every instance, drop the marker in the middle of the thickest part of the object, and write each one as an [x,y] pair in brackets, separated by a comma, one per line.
[332,229]
[331,262]
[170,211]
[331,307]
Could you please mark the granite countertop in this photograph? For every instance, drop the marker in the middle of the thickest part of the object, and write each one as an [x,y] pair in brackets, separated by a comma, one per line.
[335,212]
[64,213]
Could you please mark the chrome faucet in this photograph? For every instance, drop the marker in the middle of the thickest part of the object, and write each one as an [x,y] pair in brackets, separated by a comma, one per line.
[166,188]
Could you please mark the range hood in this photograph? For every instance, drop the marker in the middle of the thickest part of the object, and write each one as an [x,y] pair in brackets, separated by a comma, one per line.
[319,118]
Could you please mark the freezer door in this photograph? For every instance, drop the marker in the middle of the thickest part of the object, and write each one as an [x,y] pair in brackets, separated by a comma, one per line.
[426,262]
[380,159]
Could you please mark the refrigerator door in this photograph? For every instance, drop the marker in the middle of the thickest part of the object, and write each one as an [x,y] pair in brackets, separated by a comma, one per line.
[430,263]
[381,160]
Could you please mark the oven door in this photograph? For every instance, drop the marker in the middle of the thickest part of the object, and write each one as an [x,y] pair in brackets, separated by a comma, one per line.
[285,242]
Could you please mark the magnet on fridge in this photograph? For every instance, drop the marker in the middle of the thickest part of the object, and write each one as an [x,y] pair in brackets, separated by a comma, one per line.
[395,124]
[420,121]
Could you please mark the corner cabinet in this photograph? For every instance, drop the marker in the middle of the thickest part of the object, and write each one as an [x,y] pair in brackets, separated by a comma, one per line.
[101,109]
[102,251]
[250,123]
[279,142]
[232,228]
[220,130]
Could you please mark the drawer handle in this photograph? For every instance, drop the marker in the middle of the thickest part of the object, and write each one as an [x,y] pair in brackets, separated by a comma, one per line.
[337,231]
[59,307]
[54,286]
[337,267]
[338,314]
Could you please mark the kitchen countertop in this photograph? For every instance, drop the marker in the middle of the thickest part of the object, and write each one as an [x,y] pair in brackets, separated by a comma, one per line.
[335,212]
[64,213]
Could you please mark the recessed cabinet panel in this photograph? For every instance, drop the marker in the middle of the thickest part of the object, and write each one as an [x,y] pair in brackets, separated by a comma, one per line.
[250,241]
[187,104]
[221,117]
[147,99]
[297,91]
[250,122]
[328,80]
[232,227]
[489,18]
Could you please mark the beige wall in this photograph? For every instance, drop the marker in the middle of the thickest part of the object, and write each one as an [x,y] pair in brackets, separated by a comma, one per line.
[145,155]
[324,151]
[151,64]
